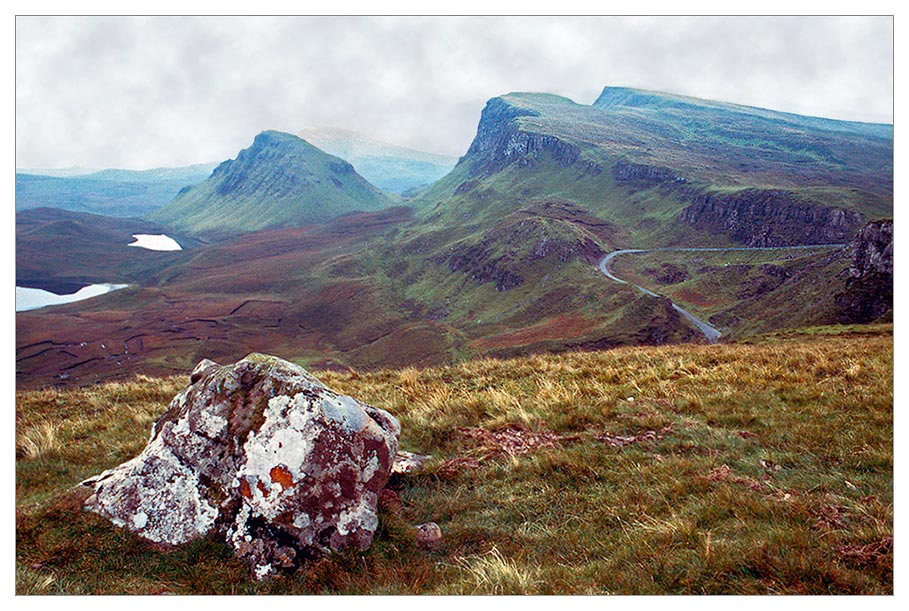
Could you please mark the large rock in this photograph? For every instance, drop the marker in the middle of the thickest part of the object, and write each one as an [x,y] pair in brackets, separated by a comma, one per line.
[262,453]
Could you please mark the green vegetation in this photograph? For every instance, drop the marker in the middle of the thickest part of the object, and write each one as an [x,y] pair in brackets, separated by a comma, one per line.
[743,292]
[498,258]
[755,468]
[279,181]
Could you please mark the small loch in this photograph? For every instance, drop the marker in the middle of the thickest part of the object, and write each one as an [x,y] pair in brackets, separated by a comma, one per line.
[33,299]
[155,242]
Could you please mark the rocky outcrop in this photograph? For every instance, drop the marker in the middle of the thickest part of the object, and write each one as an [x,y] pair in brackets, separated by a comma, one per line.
[557,231]
[645,175]
[500,142]
[482,266]
[868,295]
[263,454]
[760,217]
[872,249]
[668,273]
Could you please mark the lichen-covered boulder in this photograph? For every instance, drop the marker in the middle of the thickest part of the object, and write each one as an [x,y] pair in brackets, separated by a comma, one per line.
[262,453]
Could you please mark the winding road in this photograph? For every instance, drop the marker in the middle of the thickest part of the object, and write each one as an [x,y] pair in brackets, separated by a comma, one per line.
[710,332]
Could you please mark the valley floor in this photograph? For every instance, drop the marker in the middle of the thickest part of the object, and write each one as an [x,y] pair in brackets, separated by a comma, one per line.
[758,467]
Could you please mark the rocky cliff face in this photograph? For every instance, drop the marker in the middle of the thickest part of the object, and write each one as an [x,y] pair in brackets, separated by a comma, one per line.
[758,217]
[872,249]
[625,171]
[500,141]
[868,295]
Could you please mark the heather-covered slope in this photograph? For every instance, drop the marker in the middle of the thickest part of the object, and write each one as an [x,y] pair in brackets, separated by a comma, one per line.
[61,251]
[279,181]
[752,468]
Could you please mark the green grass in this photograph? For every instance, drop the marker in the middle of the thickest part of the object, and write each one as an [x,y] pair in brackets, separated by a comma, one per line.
[743,292]
[728,469]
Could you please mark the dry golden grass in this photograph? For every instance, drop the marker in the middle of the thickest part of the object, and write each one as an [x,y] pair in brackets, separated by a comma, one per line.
[753,468]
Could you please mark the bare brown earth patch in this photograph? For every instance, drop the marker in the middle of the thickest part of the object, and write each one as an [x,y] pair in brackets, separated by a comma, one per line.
[691,297]
[553,329]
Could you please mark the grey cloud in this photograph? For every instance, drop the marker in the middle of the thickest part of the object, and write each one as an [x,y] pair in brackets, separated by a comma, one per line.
[143,92]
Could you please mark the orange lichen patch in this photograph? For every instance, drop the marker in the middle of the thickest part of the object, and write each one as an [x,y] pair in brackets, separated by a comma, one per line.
[244,489]
[280,475]
[553,329]
[261,487]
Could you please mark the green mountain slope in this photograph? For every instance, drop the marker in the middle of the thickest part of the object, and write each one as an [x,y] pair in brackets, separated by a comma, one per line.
[641,160]
[279,181]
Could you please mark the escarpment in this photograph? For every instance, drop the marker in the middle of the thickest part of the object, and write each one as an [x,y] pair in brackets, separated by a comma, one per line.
[758,217]
[500,141]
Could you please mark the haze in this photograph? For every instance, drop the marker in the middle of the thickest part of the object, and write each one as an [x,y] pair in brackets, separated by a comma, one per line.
[134,92]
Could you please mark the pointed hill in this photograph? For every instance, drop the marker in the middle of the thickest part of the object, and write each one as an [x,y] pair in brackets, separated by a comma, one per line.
[279,181]
[390,167]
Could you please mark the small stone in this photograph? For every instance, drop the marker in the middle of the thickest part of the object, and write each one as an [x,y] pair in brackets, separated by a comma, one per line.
[429,535]
[408,462]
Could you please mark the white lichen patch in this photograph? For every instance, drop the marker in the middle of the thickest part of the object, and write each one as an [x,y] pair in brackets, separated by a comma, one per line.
[167,506]
[140,520]
[370,469]
[263,571]
[362,516]
[286,441]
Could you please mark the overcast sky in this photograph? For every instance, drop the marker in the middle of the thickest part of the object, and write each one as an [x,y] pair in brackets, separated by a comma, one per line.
[132,92]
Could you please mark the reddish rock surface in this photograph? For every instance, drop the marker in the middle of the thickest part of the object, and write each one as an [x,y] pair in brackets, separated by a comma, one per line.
[263,454]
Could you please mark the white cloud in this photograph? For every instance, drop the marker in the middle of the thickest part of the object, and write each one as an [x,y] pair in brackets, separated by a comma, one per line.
[144,92]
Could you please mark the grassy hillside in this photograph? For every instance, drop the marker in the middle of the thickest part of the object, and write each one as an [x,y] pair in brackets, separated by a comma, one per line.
[279,181]
[759,468]
[745,292]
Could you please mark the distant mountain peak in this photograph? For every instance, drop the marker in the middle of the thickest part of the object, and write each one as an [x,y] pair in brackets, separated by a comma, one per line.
[280,180]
